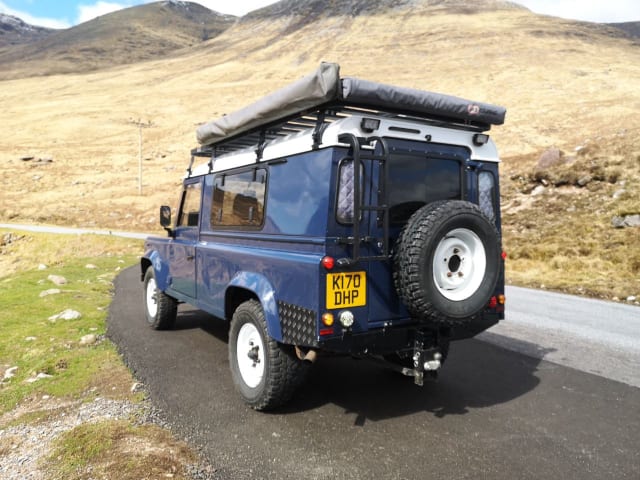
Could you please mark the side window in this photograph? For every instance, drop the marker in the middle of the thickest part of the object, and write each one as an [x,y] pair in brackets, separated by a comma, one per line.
[346,191]
[190,211]
[486,189]
[238,199]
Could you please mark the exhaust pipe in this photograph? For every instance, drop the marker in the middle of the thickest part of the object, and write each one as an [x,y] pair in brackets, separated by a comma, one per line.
[308,356]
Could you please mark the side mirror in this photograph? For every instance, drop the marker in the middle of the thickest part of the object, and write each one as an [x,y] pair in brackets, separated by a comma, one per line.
[165,219]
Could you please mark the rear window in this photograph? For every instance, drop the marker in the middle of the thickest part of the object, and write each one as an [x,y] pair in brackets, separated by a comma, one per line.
[415,180]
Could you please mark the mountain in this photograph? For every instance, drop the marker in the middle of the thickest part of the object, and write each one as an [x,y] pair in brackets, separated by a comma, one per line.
[319,8]
[309,11]
[14,31]
[126,36]
[566,84]
[632,28]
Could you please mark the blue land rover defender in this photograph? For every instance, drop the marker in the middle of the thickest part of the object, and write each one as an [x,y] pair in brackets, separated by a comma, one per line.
[336,215]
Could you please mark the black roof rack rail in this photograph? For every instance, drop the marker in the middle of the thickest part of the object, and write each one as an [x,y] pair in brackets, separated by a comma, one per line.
[316,121]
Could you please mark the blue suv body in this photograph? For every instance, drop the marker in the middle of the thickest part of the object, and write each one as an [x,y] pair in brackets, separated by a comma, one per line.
[346,224]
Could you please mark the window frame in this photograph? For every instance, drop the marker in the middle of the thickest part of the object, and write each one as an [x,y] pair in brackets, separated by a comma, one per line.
[341,164]
[494,193]
[181,211]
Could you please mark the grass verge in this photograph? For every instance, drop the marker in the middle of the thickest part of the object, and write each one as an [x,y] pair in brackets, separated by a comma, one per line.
[37,344]
[50,367]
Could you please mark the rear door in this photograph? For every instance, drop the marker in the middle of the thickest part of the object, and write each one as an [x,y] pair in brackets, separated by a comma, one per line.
[418,173]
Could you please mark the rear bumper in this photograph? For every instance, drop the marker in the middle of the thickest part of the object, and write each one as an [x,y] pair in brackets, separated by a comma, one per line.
[388,340]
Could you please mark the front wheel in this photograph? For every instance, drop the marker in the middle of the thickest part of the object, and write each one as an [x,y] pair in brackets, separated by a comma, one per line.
[160,309]
[265,372]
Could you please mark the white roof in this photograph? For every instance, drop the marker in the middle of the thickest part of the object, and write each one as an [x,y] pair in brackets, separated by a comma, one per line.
[405,128]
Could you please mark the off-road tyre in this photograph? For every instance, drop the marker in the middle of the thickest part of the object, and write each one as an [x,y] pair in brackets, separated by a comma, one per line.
[268,378]
[447,262]
[160,309]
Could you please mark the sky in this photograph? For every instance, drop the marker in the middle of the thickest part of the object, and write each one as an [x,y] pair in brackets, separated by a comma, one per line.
[66,13]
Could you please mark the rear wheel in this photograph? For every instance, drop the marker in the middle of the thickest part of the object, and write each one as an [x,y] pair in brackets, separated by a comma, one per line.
[265,372]
[160,309]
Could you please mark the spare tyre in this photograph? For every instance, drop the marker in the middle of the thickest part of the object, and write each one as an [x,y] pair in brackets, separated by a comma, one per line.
[447,262]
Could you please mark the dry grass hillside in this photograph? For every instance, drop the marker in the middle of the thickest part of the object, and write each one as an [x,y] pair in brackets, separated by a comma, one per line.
[131,35]
[565,84]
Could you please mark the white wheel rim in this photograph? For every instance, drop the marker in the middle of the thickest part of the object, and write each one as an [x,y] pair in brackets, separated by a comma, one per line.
[459,264]
[152,298]
[250,355]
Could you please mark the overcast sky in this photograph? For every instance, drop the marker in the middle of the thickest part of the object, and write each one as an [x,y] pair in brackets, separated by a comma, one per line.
[66,13]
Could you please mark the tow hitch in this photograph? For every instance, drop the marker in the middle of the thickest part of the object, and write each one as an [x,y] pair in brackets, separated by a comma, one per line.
[422,360]
[427,360]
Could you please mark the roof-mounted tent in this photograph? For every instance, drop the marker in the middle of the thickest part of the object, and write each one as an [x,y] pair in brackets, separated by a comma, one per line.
[322,97]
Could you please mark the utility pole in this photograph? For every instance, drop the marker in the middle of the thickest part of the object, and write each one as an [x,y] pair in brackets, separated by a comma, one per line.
[140,124]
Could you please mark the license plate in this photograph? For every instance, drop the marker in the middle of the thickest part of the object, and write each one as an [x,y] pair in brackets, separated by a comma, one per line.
[348,289]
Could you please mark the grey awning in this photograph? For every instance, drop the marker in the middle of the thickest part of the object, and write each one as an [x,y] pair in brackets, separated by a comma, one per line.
[364,92]
[324,87]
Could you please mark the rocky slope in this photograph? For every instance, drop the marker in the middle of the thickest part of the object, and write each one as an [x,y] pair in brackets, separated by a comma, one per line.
[632,28]
[14,31]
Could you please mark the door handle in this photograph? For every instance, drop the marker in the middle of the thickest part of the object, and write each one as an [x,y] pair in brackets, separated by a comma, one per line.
[190,257]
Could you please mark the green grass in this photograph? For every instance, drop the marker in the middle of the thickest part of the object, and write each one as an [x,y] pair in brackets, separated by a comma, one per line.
[34,344]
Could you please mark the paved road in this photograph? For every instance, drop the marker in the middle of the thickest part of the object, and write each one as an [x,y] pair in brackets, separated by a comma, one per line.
[71,230]
[590,335]
[495,413]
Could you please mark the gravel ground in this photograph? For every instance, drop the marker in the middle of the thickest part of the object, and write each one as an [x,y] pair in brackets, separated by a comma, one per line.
[26,446]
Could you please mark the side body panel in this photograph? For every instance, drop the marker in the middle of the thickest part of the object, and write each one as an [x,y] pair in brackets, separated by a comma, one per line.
[277,262]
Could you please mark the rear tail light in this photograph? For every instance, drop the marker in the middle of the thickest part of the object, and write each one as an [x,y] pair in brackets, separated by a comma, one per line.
[328,262]
[504,255]
[493,302]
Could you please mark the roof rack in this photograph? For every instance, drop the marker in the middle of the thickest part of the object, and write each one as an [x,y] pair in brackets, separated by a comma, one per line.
[321,98]
[316,120]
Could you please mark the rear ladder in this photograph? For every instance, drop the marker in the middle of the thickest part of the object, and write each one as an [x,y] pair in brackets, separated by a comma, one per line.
[360,206]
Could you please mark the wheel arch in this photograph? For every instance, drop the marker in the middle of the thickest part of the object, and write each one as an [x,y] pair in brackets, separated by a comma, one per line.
[153,259]
[248,285]
[145,263]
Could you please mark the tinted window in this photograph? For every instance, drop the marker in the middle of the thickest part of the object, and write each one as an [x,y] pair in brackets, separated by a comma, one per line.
[190,211]
[299,194]
[415,180]
[238,199]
